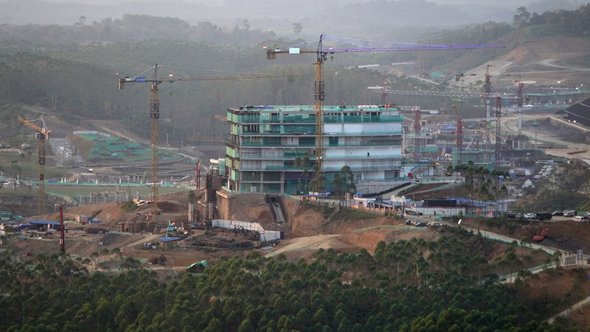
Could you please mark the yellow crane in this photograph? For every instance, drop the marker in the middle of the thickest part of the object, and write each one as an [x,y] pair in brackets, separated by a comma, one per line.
[42,134]
[155,81]
[322,55]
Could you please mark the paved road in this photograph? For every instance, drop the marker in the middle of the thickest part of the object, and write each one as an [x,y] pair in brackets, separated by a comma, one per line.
[507,239]
[571,309]
[509,126]
[551,63]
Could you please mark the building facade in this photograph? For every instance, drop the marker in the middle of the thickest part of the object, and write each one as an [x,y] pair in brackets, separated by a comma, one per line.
[271,148]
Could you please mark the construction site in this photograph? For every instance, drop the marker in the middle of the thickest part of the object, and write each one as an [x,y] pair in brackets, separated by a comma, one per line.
[290,180]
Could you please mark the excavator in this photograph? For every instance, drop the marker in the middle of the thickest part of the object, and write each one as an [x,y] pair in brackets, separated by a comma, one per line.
[539,237]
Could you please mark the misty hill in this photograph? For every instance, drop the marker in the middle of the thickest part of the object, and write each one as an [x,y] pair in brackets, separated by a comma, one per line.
[77,66]
[361,17]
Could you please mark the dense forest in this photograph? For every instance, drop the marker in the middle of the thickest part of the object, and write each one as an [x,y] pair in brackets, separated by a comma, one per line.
[444,285]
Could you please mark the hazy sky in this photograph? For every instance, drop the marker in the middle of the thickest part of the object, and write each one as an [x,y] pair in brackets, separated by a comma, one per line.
[279,15]
[221,2]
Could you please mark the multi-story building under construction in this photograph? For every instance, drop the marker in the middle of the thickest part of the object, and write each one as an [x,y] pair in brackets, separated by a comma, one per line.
[272,148]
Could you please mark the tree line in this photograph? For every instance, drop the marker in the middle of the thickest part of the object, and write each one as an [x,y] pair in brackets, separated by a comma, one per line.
[411,285]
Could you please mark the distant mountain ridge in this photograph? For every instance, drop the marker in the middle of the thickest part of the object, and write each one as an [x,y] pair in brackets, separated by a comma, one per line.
[360,17]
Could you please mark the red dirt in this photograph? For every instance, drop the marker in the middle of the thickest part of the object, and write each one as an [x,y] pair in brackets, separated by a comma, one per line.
[564,234]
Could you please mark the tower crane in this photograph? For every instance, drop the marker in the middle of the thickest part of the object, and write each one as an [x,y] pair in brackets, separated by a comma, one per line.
[498,134]
[155,82]
[459,136]
[42,134]
[417,132]
[322,55]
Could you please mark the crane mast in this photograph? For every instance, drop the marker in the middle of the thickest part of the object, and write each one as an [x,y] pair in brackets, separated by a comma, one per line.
[417,133]
[486,90]
[154,116]
[498,137]
[42,134]
[459,136]
[319,96]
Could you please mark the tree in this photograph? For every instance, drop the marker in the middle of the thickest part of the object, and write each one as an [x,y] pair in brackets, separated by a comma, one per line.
[303,163]
[521,18]
[317,183]
[246,326]
[297,28]
[246,24]
[214,325]
[344,181]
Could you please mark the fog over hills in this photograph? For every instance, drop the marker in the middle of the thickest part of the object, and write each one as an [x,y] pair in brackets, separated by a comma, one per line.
[344,16]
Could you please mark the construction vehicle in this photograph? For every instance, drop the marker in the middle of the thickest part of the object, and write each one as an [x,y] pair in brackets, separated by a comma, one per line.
[155,82]
[539,237]
[198,267]
[42,134]
[322,55]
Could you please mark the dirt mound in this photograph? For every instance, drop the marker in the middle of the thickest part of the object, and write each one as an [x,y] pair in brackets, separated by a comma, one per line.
[252,208]
[561,48]
[84,146]
[304,247]
[302,218]
[108,213]
[306,223]
[170,207]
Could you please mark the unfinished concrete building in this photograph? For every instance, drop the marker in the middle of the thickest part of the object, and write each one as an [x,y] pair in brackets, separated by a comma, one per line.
[271,148]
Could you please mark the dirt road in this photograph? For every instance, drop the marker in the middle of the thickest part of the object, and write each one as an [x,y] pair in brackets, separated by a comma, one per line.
[571,309]
[571,151]
[313,243]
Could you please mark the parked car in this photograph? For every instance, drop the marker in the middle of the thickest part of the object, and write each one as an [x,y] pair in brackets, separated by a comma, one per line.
[544,215]
[420,224]
[530,215]
[557,213]
[578,218]
[569,213]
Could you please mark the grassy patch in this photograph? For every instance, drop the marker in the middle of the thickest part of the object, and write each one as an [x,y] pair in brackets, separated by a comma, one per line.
[353,214]
[109,148]
[11,163]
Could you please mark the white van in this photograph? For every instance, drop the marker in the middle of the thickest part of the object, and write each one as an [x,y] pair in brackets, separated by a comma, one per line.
[578,218]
